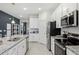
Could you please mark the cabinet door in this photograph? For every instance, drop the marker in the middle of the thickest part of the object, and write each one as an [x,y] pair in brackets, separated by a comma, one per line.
[22,47]
[70,52]
[58,16]
[78,6]
[19,49]
[69,7]
[53,16]
[5,53]
[12,51]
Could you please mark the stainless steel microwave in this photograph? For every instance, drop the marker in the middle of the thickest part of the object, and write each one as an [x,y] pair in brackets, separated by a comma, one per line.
[73,18]
[64,21]
[70,20]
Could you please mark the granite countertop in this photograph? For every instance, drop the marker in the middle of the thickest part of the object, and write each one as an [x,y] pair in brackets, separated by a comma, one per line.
[7,45]
[74,49]
[58,37]
[77,37]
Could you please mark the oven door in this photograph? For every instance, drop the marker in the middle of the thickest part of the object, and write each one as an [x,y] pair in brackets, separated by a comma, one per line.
[59,49]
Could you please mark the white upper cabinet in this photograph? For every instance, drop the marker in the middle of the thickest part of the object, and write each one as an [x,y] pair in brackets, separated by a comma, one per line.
[78,6]
[68,8]
[62,10]
[53,16]
[57,16]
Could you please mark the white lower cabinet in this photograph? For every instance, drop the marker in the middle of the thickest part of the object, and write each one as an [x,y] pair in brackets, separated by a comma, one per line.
[21,48]
[6,53]
[69,52]
[18,49]
[12,51]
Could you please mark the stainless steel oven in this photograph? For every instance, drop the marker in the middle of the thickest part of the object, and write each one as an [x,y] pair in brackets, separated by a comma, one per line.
[60,44]
[59,49]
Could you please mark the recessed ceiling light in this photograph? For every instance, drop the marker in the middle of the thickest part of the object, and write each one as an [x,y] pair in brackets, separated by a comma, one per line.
[20,15]
[39,8]
[25,8]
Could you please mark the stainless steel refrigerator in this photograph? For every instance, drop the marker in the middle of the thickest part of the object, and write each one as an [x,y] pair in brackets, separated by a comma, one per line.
[52,31]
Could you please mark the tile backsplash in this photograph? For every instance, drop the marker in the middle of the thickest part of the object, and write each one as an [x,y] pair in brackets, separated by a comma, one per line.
[71,30]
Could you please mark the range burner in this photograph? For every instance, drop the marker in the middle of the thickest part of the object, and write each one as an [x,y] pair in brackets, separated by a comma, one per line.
[68,41]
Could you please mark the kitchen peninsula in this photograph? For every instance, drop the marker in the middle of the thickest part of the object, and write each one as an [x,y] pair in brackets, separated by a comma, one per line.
[15,45]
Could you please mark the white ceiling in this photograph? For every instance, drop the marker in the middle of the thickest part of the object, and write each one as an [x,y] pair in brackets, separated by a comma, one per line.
[32,8]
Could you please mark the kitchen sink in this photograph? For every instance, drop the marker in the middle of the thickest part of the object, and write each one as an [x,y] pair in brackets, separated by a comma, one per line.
[14,39]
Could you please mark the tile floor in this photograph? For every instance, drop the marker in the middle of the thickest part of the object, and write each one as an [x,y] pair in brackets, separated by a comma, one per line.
[36,48]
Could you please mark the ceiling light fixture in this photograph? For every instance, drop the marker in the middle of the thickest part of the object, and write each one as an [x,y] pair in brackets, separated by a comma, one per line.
[25,8]
[39,8]
[13,22]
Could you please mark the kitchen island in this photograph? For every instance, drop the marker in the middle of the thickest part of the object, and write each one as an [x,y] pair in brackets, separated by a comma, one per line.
[17,47]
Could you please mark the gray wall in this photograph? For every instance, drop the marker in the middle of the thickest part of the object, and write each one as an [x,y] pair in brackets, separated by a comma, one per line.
[4,19]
